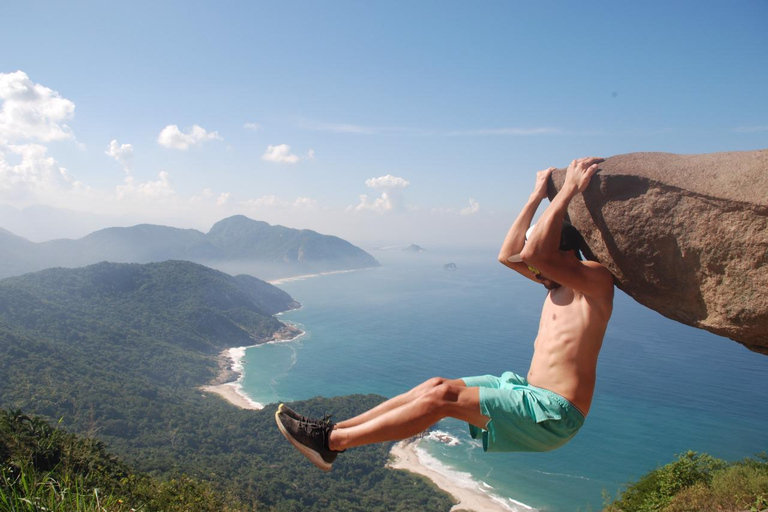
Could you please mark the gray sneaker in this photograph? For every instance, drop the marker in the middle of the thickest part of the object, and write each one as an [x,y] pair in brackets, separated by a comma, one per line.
[309,437]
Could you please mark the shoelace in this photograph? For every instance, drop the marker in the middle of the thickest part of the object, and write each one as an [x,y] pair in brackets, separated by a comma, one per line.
[311,426]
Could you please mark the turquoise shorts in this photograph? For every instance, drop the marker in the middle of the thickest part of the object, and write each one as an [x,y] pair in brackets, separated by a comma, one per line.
[524,418]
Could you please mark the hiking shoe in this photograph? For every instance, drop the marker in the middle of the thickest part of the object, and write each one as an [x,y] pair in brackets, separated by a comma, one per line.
[309,437]
[284,409]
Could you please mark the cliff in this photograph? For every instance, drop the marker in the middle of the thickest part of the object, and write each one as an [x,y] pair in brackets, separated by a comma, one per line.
[685,235]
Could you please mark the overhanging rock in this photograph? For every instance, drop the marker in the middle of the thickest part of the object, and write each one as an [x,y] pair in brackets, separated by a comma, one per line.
[685,235]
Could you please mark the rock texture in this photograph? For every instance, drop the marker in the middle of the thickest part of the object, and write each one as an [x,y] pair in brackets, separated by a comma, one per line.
[685,235]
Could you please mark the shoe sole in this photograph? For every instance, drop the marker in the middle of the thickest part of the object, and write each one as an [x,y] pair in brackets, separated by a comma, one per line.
[310,454]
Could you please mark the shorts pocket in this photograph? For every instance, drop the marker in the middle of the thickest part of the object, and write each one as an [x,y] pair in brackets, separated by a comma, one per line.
[542,410]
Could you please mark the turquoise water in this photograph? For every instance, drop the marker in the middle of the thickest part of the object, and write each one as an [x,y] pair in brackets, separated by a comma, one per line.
[663,388]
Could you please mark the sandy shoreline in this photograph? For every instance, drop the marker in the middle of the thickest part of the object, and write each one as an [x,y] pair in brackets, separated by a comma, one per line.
[230,393]
[228,383]
[403,453]
[406,458]
[306,276]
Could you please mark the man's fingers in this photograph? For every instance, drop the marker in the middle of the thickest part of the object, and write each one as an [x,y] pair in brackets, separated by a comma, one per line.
[591,160]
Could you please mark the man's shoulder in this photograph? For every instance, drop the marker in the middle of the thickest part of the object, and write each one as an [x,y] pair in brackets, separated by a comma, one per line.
[601,270]
[601,281]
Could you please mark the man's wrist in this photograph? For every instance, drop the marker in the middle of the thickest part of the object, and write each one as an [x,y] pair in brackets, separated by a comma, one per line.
[569,189]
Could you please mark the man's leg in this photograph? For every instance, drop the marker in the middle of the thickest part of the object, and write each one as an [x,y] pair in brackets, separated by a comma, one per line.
[399,401]
[415,413]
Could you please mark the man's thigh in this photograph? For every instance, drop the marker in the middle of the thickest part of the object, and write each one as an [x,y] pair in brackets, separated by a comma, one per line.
[465,404]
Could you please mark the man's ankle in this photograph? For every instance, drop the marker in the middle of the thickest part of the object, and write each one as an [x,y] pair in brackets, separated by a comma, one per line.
[334,441]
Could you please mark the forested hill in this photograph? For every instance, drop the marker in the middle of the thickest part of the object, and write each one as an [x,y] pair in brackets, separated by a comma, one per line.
[162,321]
[235,244]
[119,350]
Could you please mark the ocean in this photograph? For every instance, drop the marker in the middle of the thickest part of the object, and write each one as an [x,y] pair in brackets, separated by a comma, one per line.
[662,389]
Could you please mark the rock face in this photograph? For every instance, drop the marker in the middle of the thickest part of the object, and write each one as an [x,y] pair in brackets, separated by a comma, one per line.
[685,235]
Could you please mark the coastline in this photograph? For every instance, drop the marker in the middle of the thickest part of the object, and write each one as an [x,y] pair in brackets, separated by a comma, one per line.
[307,276]
[467,496]
[228,383]
[406,457]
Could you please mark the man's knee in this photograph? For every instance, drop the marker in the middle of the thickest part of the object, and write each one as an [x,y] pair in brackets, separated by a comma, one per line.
[440,397]
[434,382]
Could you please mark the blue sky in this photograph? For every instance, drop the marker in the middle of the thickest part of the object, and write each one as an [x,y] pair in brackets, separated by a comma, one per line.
[440,113]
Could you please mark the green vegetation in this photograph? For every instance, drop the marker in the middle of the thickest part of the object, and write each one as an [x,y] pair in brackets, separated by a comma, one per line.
[698,482]
[116,352]
[44,468]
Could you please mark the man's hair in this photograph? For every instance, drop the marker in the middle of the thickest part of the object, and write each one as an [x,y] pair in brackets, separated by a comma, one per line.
[571,239]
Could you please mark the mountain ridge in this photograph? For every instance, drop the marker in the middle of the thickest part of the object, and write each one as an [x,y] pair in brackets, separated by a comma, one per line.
[234,245]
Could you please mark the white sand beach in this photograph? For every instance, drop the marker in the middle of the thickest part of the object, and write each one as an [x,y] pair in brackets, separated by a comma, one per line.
[228,383]
[230,392]
[307,276]
[405,457]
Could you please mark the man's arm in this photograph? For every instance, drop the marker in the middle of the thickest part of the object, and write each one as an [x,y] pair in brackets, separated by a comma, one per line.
[542,250]
[515,239]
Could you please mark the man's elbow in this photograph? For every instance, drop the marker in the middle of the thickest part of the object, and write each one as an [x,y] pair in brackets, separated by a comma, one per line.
[529,254]
[533,255]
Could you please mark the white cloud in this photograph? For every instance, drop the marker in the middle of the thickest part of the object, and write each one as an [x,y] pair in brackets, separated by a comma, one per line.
[420,132]
[507,131]
[382,204]
[340,128]
[311,154]
[272,201]
[304,202]
[251,126]
[162,188]
[387,182]
[32,111]
[172,137]
[223,198]
[390,198]
[36,177]
[280,154]
[263,201]
[123,153]
[472,209]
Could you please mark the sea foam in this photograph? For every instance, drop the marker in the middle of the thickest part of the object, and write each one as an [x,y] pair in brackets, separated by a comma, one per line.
[440,436]
[465,480]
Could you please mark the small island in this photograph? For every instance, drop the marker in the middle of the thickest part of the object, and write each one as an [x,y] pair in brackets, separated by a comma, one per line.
[414,248]
[449,266]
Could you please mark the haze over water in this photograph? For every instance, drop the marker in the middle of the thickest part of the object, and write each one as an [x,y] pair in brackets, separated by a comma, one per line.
[663,388]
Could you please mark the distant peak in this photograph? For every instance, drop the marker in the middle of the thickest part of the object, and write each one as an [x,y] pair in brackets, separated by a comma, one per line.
[237,221]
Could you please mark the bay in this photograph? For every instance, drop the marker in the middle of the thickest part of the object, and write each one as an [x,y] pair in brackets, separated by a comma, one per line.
[663,388]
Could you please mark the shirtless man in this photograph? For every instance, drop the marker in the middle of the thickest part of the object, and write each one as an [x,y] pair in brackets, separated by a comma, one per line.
[511,413]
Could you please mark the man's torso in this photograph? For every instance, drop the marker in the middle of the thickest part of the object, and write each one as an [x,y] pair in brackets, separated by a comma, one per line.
[571,332]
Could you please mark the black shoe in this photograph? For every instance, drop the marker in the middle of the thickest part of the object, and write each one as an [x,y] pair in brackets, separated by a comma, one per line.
[284,409]
[309,437]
